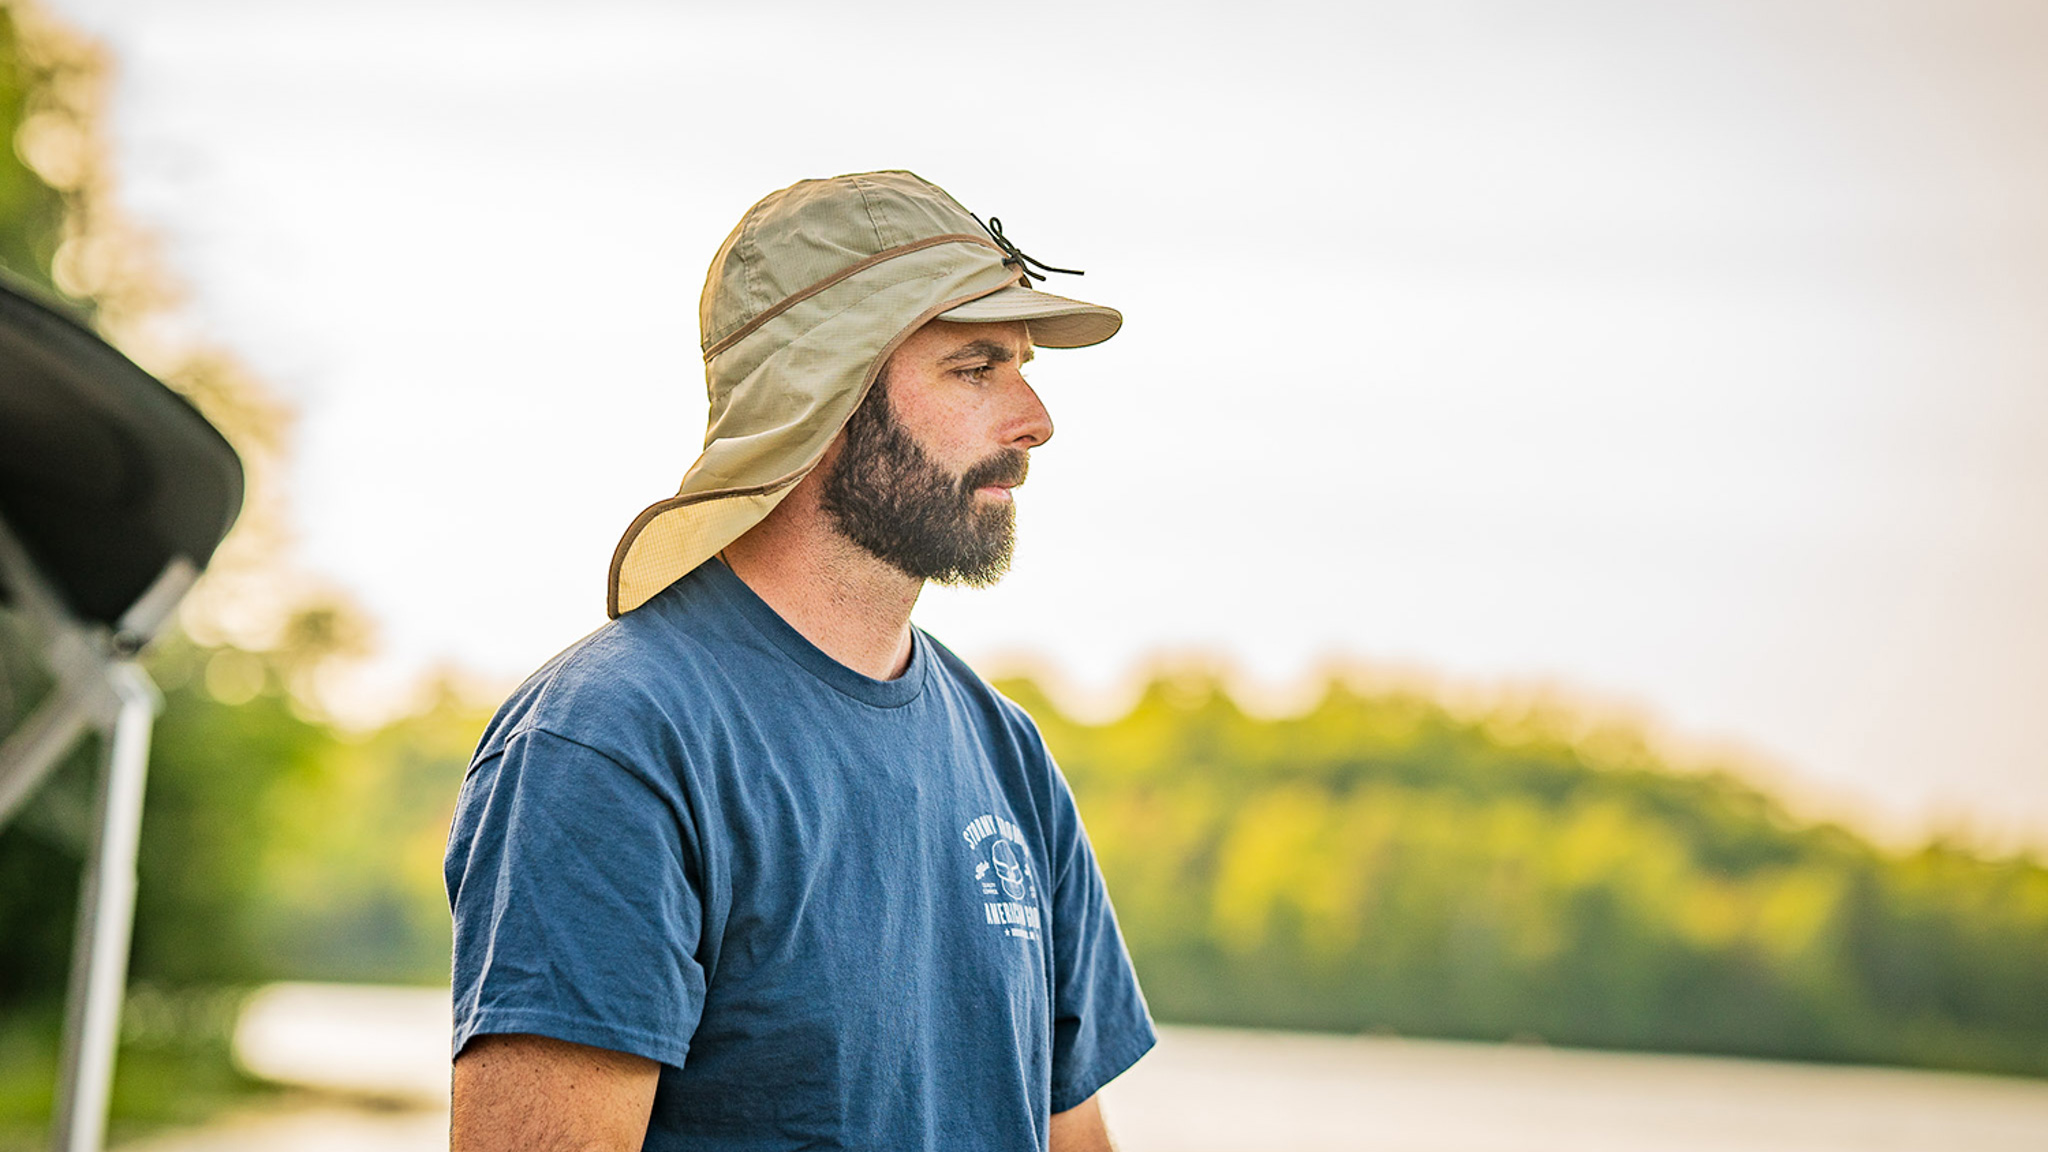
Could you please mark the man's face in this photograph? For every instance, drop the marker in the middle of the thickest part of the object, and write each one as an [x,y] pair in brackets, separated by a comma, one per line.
[923,473]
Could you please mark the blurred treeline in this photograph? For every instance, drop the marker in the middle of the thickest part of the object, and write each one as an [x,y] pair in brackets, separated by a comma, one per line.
[1382,862]
[1379,862]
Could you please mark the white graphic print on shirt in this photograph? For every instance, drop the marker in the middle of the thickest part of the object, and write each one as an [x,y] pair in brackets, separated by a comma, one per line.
[1002,870]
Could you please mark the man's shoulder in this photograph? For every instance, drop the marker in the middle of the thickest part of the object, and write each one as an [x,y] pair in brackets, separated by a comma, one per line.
[970,686]
[629,676]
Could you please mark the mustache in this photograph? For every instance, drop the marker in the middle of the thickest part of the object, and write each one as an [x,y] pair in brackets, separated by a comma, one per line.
[1007,467]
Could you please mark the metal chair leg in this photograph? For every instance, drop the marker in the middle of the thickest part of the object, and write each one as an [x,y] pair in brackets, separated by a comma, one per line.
[106,915]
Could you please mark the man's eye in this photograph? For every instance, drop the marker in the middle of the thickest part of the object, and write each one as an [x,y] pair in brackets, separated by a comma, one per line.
[977,374]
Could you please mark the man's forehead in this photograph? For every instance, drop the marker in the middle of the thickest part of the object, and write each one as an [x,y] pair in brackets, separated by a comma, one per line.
[984,348]
[948,341]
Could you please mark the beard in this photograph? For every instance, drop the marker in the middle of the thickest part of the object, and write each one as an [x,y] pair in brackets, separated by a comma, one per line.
[886,494]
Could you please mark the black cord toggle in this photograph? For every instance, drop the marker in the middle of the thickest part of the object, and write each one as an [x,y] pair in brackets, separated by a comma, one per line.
[1016,255]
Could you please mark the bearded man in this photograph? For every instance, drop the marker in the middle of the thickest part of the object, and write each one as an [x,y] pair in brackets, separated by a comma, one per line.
[760,864]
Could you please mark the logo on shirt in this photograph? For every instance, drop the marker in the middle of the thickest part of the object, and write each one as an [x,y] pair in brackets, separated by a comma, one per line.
[1002,869]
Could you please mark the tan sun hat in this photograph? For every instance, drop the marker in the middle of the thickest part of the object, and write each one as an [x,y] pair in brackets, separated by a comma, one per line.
[804,302]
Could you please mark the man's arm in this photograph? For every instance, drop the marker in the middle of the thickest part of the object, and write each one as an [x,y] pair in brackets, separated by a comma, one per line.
[1080,1129]
[520,1093]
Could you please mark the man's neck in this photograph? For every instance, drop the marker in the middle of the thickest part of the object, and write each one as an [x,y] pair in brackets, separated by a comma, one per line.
[853,606]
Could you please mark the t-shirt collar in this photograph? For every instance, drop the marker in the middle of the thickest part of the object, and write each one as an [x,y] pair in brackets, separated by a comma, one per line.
[734,595]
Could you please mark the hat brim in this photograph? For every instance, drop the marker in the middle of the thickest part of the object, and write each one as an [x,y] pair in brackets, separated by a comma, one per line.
[1056,321]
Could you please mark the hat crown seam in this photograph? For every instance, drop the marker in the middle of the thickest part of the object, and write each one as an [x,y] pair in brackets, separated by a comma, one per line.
[747,253]
[875,216]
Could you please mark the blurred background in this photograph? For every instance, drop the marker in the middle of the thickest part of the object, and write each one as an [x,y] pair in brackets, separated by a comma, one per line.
[1557,553]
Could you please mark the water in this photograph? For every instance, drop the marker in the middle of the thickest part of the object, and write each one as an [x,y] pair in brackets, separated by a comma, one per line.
[1209,1090]
[1221,1090]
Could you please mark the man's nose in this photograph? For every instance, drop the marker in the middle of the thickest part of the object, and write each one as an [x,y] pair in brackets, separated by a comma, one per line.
[1031,424]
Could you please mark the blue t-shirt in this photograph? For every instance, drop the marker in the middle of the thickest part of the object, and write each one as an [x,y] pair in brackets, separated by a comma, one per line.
[841,912]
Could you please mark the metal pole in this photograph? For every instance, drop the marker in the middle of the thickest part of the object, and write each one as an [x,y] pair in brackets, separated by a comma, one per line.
[106,913]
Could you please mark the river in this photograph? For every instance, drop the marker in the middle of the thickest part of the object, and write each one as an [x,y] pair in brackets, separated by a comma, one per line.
[379,1053]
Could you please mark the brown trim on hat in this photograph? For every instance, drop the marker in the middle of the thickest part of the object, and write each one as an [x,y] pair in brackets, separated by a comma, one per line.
[788,302]
[679,500]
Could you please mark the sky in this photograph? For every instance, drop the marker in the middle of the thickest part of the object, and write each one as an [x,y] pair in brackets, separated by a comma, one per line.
[1684,359]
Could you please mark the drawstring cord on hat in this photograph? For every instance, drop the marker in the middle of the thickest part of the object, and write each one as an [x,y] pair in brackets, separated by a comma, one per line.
[994,228]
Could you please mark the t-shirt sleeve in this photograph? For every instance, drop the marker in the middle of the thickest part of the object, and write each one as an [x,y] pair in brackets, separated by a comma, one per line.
[576,916]
[1099,1022]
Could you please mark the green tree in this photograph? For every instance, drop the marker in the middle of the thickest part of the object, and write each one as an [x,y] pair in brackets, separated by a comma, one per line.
[1382,862]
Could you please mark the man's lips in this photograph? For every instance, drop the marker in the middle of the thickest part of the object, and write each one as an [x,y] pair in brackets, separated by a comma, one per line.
[995,477]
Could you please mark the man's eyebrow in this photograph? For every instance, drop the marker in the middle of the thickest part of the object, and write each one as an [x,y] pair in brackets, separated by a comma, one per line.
[987,350]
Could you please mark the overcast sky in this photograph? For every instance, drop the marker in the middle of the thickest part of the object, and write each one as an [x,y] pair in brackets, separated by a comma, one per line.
[1690,357]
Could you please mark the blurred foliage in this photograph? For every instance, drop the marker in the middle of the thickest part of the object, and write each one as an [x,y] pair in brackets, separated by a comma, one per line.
[1381,863]
[32,210]
[273,847]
